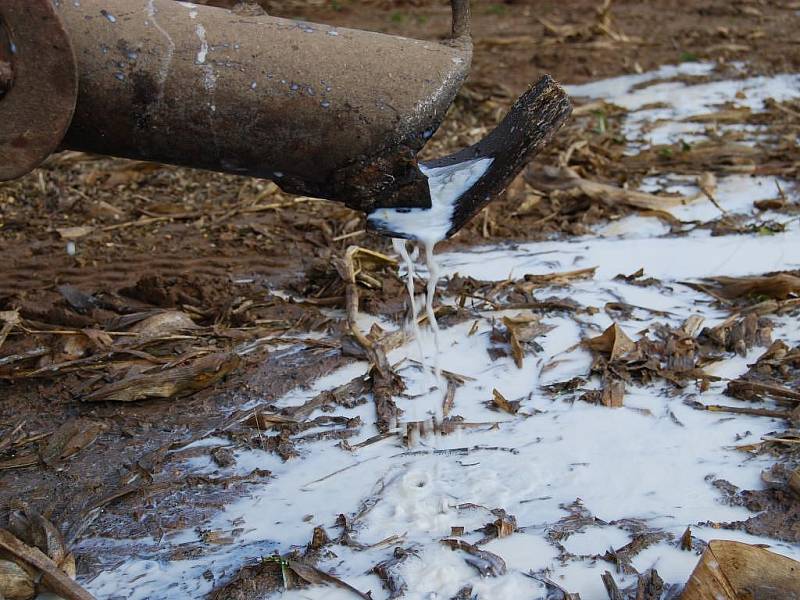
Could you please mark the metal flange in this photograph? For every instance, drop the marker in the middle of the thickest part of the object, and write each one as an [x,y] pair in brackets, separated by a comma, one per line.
[38,84]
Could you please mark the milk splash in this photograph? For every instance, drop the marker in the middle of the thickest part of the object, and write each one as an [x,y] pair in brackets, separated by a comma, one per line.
[428,226]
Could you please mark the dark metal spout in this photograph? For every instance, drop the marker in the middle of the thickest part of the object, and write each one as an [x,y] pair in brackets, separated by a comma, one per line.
[528,127]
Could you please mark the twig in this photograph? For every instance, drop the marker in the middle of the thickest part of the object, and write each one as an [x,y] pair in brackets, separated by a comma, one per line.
[756,412]
[383,377]
[342,470]
[347,236]
[780,392]
[459,451]
[449,398]
[8,438]
[10,320]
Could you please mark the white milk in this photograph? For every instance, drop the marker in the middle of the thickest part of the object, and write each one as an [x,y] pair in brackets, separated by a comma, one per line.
[430,225]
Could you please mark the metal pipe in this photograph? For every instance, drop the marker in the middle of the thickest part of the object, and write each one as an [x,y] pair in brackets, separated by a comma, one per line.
[39,81]
[329,112]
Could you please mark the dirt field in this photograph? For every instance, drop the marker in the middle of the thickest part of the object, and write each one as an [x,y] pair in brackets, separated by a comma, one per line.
[111,268]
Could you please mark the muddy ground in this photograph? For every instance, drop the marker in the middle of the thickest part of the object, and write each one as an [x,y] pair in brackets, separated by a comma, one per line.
[112,268]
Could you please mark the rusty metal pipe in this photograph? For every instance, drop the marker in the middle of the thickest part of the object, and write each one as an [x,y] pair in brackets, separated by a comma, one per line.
[329,112]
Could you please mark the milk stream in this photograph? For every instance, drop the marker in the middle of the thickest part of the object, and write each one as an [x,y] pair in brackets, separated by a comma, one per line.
[433,280]
[426,227]
[399,246]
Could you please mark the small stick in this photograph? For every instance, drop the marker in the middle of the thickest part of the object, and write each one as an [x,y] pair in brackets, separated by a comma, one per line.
[756,412]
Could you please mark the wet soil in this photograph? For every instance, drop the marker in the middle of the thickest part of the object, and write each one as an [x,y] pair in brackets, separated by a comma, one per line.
[87,242]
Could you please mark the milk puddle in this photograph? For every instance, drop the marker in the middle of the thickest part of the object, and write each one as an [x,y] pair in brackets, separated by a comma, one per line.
[645,466]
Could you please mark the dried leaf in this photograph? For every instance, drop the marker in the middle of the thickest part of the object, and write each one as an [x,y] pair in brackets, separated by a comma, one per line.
[552,178]
[486,563]
[98,337]
[10,319]
[686,540]
[315,576]
[736,571]
[613,392]
[54,579]
[780,286]
[498,400]
[20,461]
[389,572]
[731,115]
[169,383]
[561,278]
[554,591]
[516,346]
[164,323]
[72,437]
[504,526]
[15,582]
[613,341]
[263,420]
[74,233]
[527,327]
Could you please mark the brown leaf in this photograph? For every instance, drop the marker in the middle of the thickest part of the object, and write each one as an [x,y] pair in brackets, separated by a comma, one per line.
[527,327]
[550,178]
[737,571]
[54,579]
[177,381]
[561,278]
[516,346]
[613,341]
[72,437]
[780,286]
[315,576]
[99,338]
[731,115]
[164,323]
[498,400]
[15,582]
[263,420]
[522,329]
[613,392]
[10,319]
[20,461]
[72,347]
[74,233]
[686,540]
[487,563]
